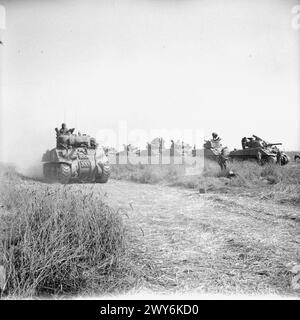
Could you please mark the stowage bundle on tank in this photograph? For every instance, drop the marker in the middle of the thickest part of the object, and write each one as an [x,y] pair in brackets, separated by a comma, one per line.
[260,150]
[76,158]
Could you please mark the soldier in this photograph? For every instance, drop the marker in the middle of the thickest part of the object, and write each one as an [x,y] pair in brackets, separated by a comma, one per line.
[64,130]
[149,152]
[279,157]
[250,143]
[160,147]
[127,149]
[215,137]
[258,142]
[244,142]
[259,157]
[93,143]
[222,161]
[172,151]
[194,151]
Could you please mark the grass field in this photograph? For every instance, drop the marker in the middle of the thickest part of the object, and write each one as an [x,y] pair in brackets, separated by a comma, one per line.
[58,240]
[149,229]
[281,183]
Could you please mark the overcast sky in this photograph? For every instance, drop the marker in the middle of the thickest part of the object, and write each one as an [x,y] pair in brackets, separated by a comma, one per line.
[213,65]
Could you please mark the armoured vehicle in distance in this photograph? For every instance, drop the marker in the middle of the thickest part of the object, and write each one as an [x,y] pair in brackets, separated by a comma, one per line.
[258,149]
[76,158]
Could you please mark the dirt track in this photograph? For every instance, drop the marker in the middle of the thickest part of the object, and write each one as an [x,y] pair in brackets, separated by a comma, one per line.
[185,241]
[210,242]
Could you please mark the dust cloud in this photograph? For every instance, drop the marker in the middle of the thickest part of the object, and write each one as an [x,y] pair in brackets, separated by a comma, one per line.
[26,159]
[32,170]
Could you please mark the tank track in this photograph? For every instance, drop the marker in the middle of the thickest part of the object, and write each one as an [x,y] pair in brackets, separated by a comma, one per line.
[60,172]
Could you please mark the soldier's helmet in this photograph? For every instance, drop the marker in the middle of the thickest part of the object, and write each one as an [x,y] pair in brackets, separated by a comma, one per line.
[63,125]
[93,142]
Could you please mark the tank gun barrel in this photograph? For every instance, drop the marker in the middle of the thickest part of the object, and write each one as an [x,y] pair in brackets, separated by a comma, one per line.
[274,144]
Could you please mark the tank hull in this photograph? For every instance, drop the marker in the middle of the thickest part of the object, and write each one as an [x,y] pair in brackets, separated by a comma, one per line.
[261,155]
[76,165]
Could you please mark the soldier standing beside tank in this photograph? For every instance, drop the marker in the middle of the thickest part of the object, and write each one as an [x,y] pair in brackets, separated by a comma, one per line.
[215,137]
[279,157]
[216,144]
[222,161]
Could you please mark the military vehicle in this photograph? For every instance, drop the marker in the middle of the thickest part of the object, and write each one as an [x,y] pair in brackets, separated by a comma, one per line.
[76,158]
[258,149]
[214,151]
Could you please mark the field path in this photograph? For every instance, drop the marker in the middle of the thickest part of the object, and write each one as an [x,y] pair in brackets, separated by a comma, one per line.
[209,242]
[184,241]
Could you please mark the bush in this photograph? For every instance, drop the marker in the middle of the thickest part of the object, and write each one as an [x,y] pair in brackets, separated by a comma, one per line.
[55,240]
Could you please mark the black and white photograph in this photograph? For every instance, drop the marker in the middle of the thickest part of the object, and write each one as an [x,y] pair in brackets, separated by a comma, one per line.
[149,150]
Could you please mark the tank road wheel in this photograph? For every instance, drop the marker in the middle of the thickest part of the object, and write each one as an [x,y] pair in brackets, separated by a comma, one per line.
[103,178]
[64,173]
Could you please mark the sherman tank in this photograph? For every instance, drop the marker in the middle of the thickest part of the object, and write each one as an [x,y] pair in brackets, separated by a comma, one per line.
[76,158]
[255,148]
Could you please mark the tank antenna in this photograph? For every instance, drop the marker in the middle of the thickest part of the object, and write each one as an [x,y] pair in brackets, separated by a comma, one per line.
[64,114]
[76,117]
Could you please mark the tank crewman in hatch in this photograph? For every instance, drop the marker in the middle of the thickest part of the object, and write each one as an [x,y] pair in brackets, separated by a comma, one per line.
[258,142]
[93,143]
[64,130]
[244,142]
[250,142]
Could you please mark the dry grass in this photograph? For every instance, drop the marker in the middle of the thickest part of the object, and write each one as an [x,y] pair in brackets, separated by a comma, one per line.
[67,239]
[270,181]
[147,173]
[58,240]
[211,243]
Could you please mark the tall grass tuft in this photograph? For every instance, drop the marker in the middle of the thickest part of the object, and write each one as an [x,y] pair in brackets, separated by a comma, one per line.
[54,240]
